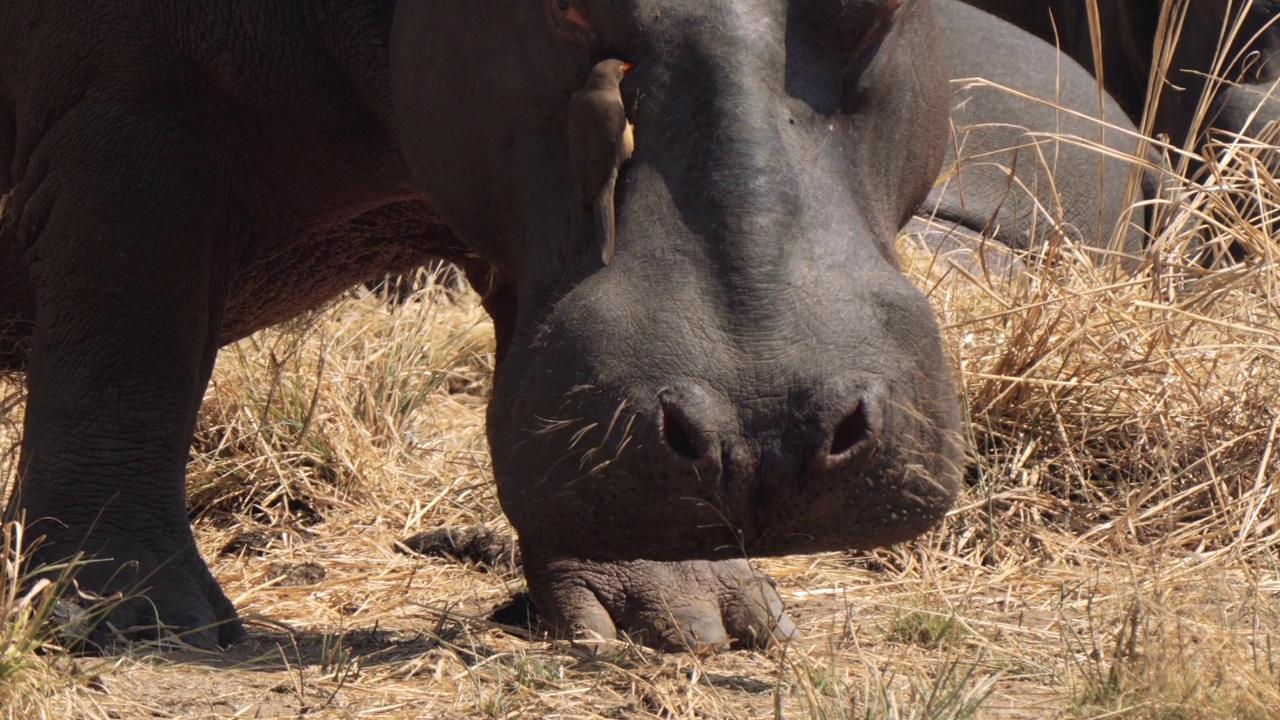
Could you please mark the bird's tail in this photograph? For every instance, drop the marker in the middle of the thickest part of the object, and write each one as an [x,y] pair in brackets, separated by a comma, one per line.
[604,228]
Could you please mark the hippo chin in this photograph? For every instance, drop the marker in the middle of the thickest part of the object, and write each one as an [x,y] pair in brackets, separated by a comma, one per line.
[749,375]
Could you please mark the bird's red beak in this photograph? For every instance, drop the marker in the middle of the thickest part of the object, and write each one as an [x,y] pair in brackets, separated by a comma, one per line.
[626,66]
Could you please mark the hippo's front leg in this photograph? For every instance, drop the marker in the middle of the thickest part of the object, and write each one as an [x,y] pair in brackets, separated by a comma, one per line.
[698,605]
[129,294]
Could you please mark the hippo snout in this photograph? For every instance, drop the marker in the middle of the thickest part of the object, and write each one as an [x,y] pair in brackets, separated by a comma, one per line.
[687,447]
[698,432]
[810,469]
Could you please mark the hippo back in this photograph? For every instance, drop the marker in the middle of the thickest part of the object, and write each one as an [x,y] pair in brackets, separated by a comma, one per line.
[1037,148]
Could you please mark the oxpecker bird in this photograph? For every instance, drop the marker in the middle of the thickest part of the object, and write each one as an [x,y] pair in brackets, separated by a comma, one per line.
[600,140]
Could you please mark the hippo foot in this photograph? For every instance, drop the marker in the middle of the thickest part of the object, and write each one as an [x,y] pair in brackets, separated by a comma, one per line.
[696,605]
[150,595]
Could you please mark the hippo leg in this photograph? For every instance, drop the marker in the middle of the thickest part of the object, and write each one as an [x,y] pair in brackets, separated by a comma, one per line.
[128,295]
[698,605]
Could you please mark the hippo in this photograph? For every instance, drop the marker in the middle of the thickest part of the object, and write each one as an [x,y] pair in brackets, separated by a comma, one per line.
[1129,30]
[749,375]
[1008,182]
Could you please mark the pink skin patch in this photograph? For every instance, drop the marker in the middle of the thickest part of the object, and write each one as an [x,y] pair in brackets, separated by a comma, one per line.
[571,20]
[575,17]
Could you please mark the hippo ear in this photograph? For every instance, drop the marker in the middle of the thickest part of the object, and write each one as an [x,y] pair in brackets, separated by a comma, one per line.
[572,21]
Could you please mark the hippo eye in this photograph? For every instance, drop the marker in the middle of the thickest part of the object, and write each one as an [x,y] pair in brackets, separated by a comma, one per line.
[864,35]
[569,18]
[864,23]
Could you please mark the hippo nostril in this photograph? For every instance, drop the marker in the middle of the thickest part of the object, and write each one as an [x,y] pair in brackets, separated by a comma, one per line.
[676,430]
[851,431]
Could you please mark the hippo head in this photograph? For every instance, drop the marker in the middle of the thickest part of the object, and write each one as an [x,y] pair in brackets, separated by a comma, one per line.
[750,373]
